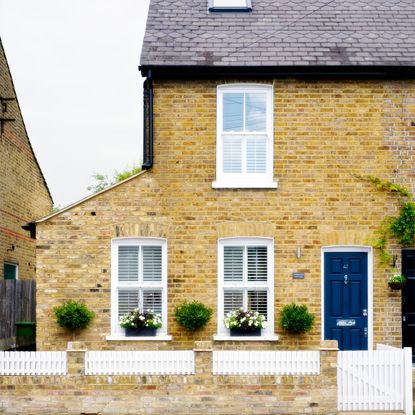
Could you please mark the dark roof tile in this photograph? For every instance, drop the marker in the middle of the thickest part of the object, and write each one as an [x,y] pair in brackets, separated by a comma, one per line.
[281,32]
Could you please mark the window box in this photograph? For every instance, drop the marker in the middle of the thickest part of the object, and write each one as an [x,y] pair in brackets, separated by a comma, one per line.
[249,333]
[145,331]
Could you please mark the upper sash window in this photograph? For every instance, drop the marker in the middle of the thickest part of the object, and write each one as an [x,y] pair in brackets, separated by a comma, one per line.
[244,136]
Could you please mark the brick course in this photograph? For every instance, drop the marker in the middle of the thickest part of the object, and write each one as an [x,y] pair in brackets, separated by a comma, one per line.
[325,132]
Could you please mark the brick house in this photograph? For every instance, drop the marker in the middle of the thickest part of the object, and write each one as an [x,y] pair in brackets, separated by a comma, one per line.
[24,194]
[259,116]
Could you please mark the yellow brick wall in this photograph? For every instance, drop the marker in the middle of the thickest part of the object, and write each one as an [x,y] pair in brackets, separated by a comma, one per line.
[325,132]
[23,193]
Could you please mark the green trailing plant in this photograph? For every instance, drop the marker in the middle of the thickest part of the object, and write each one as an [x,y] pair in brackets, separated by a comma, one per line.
[386,185]
[401,227]
[73,316]
[296,318]
[193,315]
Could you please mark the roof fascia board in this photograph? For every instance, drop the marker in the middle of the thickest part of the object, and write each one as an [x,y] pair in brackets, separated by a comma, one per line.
[340,71]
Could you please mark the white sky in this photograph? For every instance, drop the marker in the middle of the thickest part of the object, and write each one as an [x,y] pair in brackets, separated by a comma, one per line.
[75,68]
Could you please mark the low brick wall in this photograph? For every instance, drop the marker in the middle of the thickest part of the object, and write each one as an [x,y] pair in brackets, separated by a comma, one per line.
[201,393]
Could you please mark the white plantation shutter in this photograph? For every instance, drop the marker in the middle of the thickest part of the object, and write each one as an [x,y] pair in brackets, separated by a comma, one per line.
[246,272]
[257,301]
[139,279]
[151,263]
[257,263]
[232,155]
[232,299]
[128,263]
[256,155]
[233,263]
[152,300]
[127,301]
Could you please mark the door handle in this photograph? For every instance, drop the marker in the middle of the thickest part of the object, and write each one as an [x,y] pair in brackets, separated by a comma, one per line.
[364,312]
[346,279]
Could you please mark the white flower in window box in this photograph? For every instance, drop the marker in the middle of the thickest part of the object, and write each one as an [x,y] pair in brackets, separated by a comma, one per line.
[137,323]
[245,323]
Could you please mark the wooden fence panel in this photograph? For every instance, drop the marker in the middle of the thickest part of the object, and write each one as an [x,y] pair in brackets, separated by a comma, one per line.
[375,380]
[156,362]
[17,303]
[295,363]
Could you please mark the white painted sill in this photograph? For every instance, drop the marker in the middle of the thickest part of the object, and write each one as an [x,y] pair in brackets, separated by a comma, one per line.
[265,338]
[244,185]
[140,338]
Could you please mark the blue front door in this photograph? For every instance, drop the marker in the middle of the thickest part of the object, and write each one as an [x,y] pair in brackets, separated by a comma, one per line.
[345,299]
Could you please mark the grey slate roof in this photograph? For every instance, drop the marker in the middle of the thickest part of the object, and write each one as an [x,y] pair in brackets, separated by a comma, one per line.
[281,32]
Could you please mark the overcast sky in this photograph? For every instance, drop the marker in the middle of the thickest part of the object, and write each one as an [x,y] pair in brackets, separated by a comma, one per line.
[75,68]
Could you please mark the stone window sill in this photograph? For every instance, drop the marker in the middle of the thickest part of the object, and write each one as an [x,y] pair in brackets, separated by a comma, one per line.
[244,184]
[265,338]
[163,338]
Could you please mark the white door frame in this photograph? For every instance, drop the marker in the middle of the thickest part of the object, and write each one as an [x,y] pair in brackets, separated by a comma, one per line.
[352,248]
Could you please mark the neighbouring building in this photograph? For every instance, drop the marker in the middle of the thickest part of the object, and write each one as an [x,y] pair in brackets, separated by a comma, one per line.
[24,196]
[260,120]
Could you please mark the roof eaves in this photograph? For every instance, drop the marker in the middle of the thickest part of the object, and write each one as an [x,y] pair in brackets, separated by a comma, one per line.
[85,199]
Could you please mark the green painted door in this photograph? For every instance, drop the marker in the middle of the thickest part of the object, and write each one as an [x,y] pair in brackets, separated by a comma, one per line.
[10,271]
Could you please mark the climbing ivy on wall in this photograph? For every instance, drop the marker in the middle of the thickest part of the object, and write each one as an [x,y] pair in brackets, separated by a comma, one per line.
[402,226]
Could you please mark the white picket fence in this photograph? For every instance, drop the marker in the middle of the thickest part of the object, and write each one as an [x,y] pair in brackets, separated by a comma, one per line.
[266,363]
[33,363]
[140,362]
[375,380]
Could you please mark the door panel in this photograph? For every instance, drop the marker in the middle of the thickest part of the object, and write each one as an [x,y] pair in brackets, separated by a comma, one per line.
[408,300]
[346,299]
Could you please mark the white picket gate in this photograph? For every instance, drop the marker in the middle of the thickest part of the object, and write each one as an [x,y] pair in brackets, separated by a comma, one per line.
[375,380]
[266,362]
[155,362]
[33,363]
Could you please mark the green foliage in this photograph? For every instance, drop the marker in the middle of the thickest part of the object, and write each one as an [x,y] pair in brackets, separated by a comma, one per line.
[296,318]
[73,315]
[397,278]
[102,181]
[382,241]
[119,176]
[403,227]
[193,316]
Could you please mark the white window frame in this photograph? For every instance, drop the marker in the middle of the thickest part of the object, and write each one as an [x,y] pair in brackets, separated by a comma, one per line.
[229,5]
[245,180]
[222,331]
[117,332]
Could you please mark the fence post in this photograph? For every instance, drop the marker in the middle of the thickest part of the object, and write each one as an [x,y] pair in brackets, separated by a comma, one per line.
[328,374]
[75,353]
[407,364]
[203,360]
